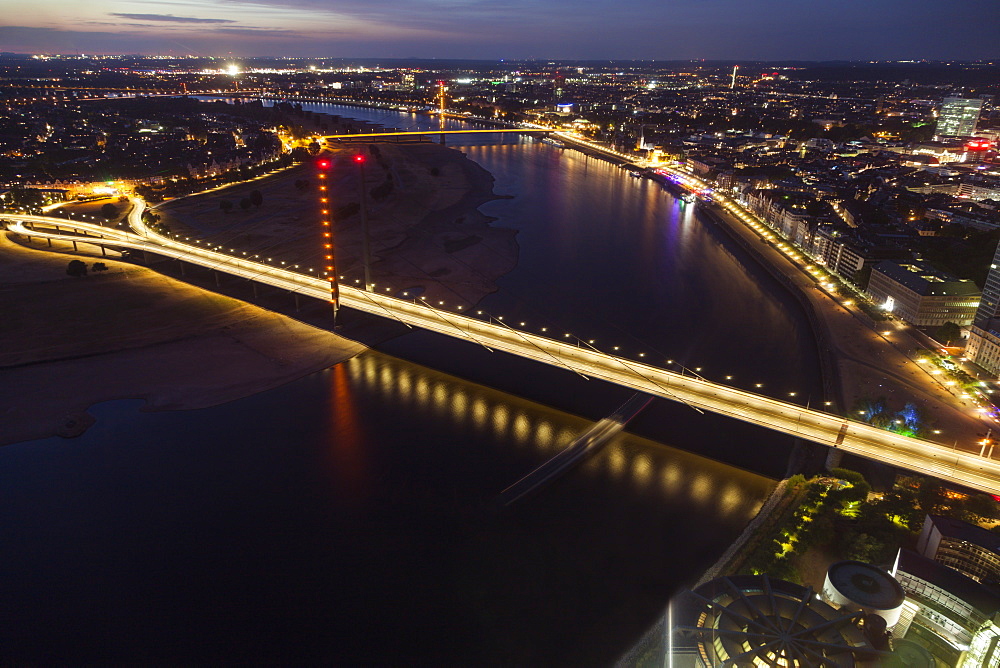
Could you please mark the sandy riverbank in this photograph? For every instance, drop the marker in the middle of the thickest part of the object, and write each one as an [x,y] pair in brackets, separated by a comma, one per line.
[68,343]
[427,236]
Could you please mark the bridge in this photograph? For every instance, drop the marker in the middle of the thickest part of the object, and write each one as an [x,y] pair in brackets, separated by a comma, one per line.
[394,133]
[921,456]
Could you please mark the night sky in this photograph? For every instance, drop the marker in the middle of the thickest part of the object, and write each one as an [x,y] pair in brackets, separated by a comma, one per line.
[511,29]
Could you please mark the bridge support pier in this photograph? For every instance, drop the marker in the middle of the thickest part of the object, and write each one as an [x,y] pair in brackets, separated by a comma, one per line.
[296,295]
[217,281]
[74,246]
[253,285]
[50,242]
[833,458]
[183,273]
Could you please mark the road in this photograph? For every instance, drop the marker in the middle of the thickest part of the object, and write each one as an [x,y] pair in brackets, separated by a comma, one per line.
[921,456]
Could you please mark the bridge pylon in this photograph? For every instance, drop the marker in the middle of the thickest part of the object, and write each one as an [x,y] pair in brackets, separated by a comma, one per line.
[323,165]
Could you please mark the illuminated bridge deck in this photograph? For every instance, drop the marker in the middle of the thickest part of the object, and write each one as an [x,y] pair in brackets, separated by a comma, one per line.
[917,455]
[402,133]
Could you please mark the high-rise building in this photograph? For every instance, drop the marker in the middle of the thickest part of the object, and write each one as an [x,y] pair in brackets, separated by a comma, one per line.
[989,305]
[958,117]
[983,346]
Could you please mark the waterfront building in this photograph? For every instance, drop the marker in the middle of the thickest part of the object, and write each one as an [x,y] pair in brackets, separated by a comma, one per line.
[950,614]
[921,295]
[838,249]
[958,117]
[786,212]
[755,620]
[967,548]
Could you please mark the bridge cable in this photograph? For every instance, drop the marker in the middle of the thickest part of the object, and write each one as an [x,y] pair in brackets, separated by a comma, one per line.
[466,334]
[642,375]
[558,361]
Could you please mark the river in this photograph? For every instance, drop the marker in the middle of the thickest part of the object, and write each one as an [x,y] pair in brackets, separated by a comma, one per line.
[349,517]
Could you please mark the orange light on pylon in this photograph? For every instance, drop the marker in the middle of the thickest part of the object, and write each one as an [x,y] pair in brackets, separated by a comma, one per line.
[324,164]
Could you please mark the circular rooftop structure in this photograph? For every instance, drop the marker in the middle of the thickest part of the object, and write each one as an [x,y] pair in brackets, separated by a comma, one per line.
[750,620]
[860,586]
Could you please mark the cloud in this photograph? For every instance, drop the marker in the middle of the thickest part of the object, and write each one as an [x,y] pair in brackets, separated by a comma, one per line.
[169,18]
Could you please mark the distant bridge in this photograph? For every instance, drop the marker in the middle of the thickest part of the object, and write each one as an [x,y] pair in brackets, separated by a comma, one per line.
[394,133]
[921,456]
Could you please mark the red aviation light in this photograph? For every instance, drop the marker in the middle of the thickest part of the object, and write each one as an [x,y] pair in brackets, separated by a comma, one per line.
[323,164]
[360,159]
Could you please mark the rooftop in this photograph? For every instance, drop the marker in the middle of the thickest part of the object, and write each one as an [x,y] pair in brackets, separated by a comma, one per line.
[926,280]
[970,533]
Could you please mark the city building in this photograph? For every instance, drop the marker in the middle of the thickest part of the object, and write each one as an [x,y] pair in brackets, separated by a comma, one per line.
[958,117]
[921,295]
[983,347]
[989,305]
[754,620]
[967,548]
[952,615]
[837,248]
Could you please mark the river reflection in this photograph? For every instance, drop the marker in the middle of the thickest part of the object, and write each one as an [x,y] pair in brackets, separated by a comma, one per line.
[466,408]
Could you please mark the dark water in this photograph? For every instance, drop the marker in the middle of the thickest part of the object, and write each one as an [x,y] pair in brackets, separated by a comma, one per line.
[348,517]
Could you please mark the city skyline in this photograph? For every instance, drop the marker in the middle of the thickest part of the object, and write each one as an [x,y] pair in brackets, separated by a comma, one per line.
[717,29]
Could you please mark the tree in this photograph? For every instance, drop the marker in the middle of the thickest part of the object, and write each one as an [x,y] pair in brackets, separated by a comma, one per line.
[76,268]
[256,198]
[948,333]
[29,199]
[109,211]
[226,206]
[244,203]
[980,508]
[865,548]
[98,267]
[931,498]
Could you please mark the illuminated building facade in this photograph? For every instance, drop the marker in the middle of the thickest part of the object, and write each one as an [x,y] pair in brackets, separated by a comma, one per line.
[983,347]
[920,295]
[958,117]
[953,616]
[967,548]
